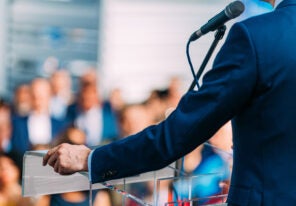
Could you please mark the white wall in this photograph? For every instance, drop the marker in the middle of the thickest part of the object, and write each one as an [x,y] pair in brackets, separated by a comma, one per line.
[143,42]
[3,10]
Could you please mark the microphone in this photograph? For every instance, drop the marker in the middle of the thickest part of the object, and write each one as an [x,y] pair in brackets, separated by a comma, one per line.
[231,11]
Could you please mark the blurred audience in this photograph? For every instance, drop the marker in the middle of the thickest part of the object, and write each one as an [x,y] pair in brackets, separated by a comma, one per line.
[39,127]
[46,113]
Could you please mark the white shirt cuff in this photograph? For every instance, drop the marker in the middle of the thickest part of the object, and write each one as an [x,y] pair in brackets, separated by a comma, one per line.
[89,165]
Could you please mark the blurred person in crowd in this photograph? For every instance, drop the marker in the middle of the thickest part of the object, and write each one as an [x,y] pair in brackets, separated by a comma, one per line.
[39,127]
[62,96]
[5,127]
[10,189]
[116,99]
[22,100]
[91,114]
[87,79]
[133,118]
[157,104]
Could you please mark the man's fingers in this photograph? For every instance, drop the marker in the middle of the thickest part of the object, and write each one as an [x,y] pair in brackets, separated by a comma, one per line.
[48,155]
[45,159]
[53,159]
[56,166]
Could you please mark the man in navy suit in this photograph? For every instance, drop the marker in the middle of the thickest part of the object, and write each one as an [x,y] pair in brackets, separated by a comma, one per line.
[253,84]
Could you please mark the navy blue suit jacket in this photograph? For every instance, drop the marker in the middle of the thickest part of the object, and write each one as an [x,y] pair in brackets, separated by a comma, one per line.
[252,82]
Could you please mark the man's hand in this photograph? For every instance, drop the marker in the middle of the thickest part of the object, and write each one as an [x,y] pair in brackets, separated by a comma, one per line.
[67,159]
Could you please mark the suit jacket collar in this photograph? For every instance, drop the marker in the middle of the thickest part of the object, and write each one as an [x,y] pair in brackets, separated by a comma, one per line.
[286,3]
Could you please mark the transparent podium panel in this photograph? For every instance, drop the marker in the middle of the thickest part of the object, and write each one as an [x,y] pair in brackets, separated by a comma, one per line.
[156,188]
[43,180]
[204,189]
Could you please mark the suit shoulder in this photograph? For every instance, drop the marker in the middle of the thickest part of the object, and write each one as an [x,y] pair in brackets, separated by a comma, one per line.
[259,23]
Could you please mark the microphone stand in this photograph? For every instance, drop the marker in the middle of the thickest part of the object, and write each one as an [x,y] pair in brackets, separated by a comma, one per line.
[218,36]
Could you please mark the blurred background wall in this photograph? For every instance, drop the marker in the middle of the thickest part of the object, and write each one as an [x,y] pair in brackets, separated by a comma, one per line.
[136,45]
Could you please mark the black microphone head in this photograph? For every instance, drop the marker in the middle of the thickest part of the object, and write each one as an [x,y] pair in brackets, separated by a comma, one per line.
[234,9]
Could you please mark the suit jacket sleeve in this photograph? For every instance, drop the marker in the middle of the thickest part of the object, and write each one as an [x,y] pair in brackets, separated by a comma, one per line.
[227,89]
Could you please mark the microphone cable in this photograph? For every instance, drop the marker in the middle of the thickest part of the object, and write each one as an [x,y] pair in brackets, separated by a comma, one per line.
[218,36]
[190,64]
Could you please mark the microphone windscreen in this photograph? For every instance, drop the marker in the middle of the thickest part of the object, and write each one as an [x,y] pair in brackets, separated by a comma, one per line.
[234,9]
